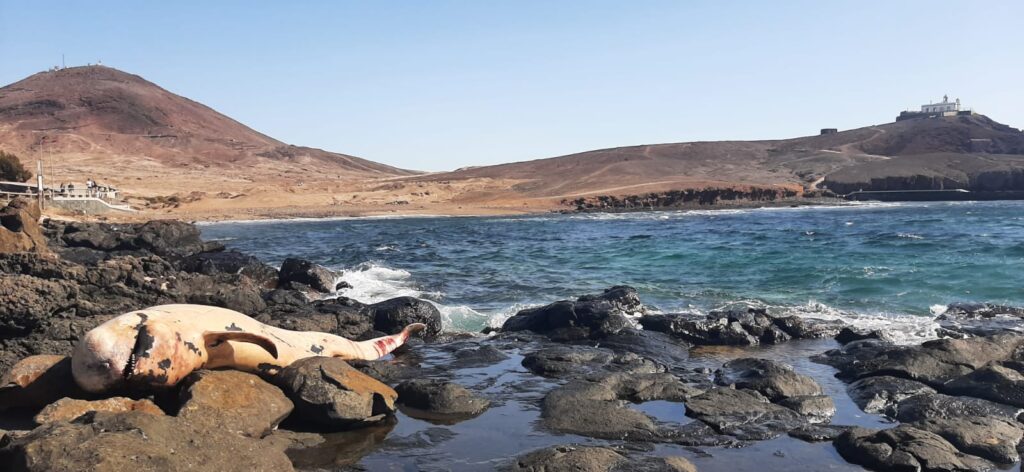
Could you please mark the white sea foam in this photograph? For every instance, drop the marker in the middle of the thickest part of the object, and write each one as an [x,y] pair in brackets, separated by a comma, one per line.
[371,283]
[901,328]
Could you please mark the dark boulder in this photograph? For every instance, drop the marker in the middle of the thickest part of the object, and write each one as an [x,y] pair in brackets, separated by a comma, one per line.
[749,327]
[440,399]
[774,380]
[882,394]
[330,394]
[936,405]
[391,316]
[589,317]
[232,263]
[568,458]
[904,448]
[746,414]
[995,439]
[303,272]
[27,303]
[1001,383]
[717,331]
[168,238]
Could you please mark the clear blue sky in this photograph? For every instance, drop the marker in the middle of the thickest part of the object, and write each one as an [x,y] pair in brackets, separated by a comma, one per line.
[437,85]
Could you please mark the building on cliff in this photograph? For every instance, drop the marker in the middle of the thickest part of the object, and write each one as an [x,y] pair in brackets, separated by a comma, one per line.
[931,110]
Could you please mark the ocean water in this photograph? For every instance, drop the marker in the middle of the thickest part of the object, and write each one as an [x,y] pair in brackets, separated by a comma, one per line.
[892,265]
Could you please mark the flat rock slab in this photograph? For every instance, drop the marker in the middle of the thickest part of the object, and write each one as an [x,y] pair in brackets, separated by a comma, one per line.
[746,414]
[573,458]
[67,409]
[138,442]
[577,361]
[882,394]
[995,439]
[234,401]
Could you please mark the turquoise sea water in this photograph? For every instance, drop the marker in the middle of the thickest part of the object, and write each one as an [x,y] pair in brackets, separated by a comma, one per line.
[876,264]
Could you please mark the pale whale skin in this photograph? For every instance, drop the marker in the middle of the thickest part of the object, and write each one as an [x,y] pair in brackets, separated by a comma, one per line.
[158,346]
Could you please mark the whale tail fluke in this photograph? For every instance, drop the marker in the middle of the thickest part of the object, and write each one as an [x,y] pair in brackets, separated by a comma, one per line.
[376,348]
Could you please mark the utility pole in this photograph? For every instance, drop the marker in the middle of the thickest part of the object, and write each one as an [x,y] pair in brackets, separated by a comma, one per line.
[39,183]
[62,65]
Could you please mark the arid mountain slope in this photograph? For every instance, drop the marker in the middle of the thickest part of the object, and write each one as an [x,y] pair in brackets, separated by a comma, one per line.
[798,162]
[118,120]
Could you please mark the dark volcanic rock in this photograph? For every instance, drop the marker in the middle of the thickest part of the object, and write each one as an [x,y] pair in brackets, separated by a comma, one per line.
[991,438]
[815,408]
[231,262]
[441,398]
[307,273]
[27,302]
[391,316]
[881,394]
[1001,383]
[745,414]
[936,405]
[567,459]
[774,380]
[980,319]
[575,361]
[330,394]
[904,448]
[738,327]
[136,441]
[717,331]
[590,316]
[597,407]
[387,372]
[236,401]
[481,356]
[934,362]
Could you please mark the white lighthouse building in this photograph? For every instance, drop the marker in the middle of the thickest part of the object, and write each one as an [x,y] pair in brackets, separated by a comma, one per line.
[945,106]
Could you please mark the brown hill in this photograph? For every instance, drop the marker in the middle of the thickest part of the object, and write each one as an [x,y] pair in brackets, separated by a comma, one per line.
[789,163]
[96,119]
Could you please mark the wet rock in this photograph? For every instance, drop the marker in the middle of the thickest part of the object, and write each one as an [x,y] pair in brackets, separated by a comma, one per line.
[335,451]
[774,380]
[330,394]
[936,405]
[566,361]
[37,381]
[718,331]
[307,273]
[231,262]
[808,328]
[1001,383]
[658,347]
[904,448]
[815,408]
[592,409]
[849,334]
[479,357]
[995,439]
[745,414]
[387,372]
[19,228]
[568,459]
[933,363]
[881,394]
[334,316]
[235,401]
[589,317]
[137,441]
[818,432]
[391,316]
[440,398]
[67,409]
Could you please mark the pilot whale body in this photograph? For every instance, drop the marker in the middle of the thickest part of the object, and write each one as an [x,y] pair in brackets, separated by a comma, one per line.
[159,346]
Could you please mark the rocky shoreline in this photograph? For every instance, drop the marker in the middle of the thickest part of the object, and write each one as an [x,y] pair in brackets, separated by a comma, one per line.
[595,383]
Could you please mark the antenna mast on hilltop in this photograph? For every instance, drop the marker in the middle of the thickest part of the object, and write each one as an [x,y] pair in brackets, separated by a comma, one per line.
[62,65]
